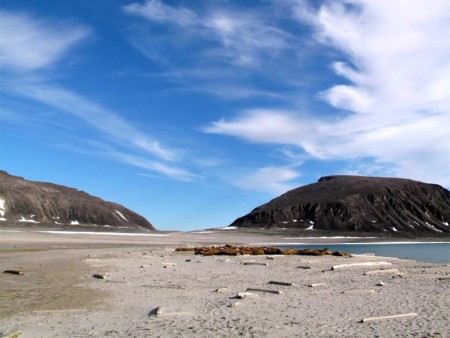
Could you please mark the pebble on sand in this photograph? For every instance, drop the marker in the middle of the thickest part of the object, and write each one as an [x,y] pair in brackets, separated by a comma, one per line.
[156,312]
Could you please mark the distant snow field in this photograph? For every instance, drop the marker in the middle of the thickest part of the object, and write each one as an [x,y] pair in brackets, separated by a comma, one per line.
[99,233]
[327,237]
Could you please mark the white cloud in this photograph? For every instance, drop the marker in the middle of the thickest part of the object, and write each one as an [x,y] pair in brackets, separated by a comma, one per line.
[31,44]
[275,127]
[109,151]
[394,62]
[155,10]
[212,49]
[170,171]
[110,124]
[245,38]
[237,36]
[349,98]
[261,126]
[275,180]
[396,56]
[237,91]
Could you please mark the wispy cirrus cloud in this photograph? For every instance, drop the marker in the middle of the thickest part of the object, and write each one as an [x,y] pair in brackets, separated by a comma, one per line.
[155,10]
[236,37]
[28,43]
[205,48]
[390,62]
[271,179]
[30,47]
[391,108]
[108,123]
[170,171]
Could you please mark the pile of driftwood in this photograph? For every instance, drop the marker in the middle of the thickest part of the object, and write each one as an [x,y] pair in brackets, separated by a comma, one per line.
[230,250]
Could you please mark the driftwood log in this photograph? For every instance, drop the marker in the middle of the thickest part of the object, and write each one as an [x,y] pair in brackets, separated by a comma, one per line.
[381,272]
[276,282]
[315,285]
[276,292]
[242,295]
[14,272]
[359,292]
[358,265]
[400,316]
[254,263]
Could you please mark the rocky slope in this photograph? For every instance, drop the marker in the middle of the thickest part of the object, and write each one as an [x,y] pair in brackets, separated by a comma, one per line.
[355,203]
[27,202]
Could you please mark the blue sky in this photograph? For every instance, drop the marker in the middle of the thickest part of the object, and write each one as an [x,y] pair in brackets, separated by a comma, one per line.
[192,113]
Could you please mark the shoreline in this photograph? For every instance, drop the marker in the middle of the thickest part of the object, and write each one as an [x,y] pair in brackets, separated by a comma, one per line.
[286,233]
[362,239]
[197,296]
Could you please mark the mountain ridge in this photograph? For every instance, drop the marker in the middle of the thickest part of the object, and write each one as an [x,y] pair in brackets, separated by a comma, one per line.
[357,203]
[27,202]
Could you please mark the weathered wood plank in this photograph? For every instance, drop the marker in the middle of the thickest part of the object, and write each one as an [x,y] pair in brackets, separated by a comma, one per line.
[359,292]
[399,316]
[381,272]
[242,295]
[281,283]
[357,265]
[315,285]
[255,263]
[277,292]
[14,272]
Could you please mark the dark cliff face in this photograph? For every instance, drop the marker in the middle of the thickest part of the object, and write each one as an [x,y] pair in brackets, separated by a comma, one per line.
[23,201]
[355,203]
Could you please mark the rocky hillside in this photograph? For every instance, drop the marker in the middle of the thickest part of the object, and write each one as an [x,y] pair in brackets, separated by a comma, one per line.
[27,202]
[355,203]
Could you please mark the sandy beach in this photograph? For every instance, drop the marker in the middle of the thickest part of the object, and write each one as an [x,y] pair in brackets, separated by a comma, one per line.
[149,290]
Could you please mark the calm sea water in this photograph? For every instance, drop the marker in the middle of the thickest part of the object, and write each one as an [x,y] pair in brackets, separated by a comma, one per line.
[422,252]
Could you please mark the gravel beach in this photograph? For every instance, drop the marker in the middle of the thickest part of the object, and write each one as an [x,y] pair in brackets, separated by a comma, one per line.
[146,289]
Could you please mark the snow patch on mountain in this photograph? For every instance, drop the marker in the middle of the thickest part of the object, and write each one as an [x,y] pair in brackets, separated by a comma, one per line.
[433,227]
[120,214]
[2,207]
[31,220]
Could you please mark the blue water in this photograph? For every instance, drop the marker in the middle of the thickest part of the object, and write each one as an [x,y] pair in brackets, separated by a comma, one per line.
[422,252]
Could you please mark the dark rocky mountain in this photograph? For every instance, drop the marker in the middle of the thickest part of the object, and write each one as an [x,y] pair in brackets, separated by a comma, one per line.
[27,202]
[355,203]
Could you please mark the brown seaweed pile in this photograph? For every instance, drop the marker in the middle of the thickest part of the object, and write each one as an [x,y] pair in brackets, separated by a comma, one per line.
[231,250]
